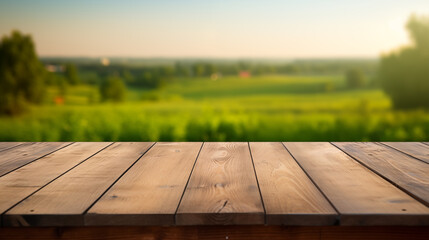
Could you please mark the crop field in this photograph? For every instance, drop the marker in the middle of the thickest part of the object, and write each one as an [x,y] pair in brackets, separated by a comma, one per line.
[261,108]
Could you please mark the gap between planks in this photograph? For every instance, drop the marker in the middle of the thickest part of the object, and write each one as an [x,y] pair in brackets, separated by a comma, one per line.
[24,182]
[254,168]
[63,202]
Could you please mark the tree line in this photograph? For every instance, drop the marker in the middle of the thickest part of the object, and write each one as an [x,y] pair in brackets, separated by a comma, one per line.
[403,73]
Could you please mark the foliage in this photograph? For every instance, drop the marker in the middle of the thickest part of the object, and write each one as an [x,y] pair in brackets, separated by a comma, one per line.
[152,76]
[71,74]
[355,78]
[113,89]
[230,109]
[149,80]
[21,74]
[405,73]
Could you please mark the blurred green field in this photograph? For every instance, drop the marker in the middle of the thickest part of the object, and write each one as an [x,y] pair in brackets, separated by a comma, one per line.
[264,108]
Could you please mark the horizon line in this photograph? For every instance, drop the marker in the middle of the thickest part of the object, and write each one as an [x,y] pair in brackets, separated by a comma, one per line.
[210,57]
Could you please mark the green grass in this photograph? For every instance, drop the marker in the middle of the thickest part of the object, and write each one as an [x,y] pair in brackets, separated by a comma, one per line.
[269,108]
[241,87]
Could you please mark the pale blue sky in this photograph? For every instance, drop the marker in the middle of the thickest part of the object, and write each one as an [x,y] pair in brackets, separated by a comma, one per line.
[246,28]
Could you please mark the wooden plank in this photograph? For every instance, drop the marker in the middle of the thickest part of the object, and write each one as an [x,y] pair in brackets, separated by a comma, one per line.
[25,153]
[8,145]
[149,193]
[22,182]
[407,173]
[360,196]
[414,149]
[289,196]
[63,202]
[222,188]
[253,232]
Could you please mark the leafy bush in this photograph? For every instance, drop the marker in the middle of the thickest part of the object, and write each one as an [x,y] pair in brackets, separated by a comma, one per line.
[405,72]
[21,74]
[71,74]
[113,90]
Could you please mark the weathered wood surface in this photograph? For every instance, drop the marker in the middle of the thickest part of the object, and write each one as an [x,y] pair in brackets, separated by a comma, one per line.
[22,154]
[159,184]
[361,197]
[222,188]
[22,182]
[289,196]
[149,193]
[8,145]
[414,149]
[409,174]
[64,201]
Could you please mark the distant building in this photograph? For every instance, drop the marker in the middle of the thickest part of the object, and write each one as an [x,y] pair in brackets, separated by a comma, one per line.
[244,74]
[54,68]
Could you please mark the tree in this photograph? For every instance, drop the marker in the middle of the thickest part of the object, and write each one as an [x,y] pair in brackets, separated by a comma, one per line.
[198,70]
[113,90]
[21,73]
[151,79]
[404,73]
[71,74]
[355,78]
[182,70]
[418,28]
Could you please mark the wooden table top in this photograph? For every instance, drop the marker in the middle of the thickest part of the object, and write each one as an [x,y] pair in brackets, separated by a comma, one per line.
[214,183]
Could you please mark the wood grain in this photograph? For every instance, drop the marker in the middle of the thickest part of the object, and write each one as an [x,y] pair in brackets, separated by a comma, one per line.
[290,198]
[7,145]
[149,193]
[222,188]
[408,173]
[360,196]
[18,156]
[63,202]
[414,149]
[20,183]
[384,185]
[253,232]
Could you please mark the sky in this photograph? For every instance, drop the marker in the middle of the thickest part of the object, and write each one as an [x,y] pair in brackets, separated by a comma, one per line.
[212,29]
